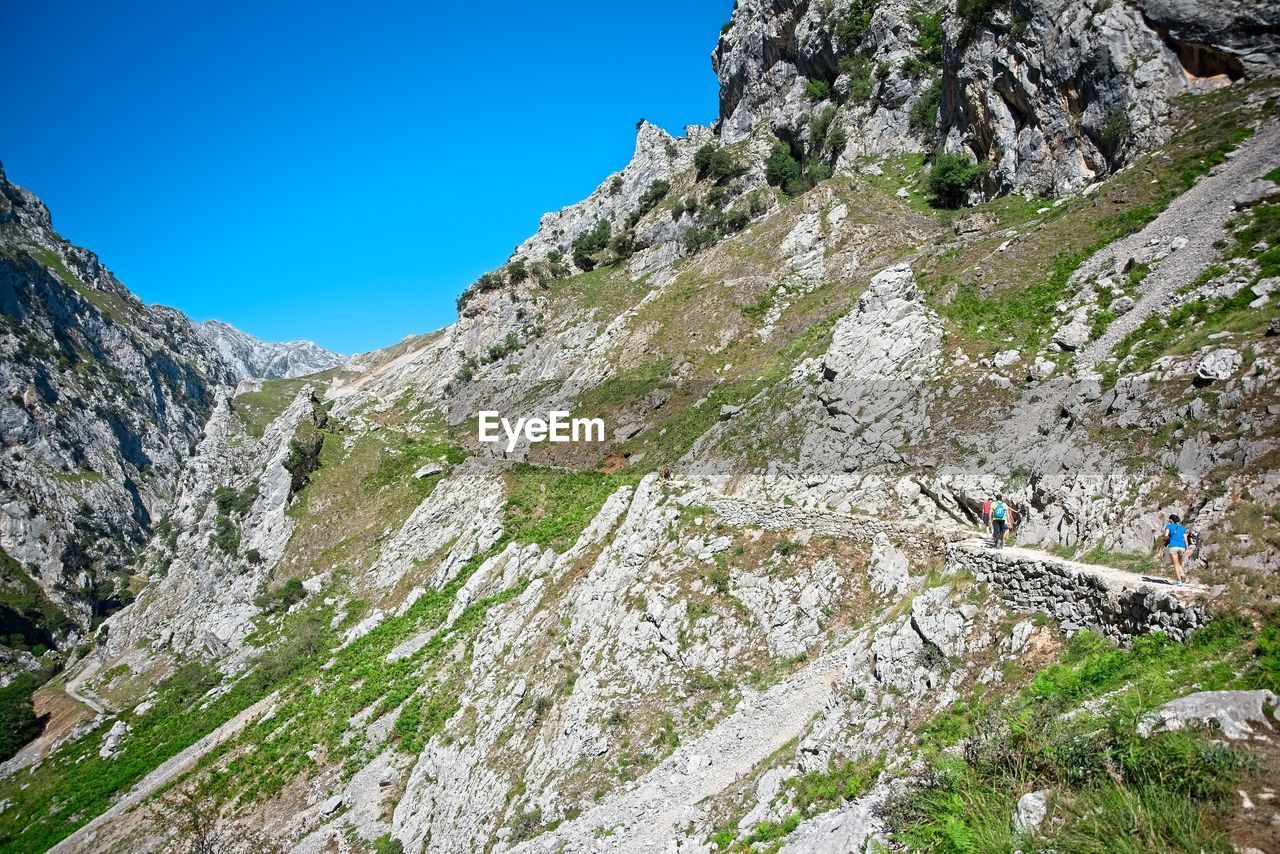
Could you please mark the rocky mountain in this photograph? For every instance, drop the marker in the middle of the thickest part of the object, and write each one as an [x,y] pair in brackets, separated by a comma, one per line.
[918,262]
[104,401]
[254,359]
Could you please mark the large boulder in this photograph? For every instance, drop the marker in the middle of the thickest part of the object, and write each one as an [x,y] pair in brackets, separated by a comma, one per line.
[1235,713]
[1218,364]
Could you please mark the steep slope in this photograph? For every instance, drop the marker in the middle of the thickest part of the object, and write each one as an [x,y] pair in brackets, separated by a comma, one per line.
[366,630]
[104,400]
[254,359]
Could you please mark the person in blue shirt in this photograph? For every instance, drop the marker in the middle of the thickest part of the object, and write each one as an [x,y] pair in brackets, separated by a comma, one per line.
[1175,541]
[1002,518]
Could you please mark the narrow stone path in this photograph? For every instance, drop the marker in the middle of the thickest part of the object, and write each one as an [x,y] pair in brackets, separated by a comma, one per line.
[1199,216]
[646,817]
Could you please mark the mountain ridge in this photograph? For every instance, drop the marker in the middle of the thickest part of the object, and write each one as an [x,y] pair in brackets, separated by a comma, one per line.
[255,359]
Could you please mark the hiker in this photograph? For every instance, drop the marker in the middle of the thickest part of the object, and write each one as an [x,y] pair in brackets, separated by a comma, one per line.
[666,472]
[1175,542]
[986,514]
[1001,519]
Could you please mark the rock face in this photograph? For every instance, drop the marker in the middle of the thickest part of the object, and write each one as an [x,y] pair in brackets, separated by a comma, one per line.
[254,359]
[103,400]
[879,357]
[771,49]
[1050,93]
[1054,93]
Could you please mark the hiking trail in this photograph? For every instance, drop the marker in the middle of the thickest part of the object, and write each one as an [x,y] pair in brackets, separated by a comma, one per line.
[1199,216]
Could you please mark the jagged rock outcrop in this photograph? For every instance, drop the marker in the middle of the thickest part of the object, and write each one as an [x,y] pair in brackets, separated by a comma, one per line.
[657,156]
[873,376]
[254,359]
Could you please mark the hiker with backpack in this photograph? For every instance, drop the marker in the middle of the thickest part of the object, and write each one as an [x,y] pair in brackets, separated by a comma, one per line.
[1001,520]
[1176,539]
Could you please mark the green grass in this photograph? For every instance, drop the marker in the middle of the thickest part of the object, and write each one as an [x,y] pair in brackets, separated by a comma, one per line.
[1113,791]
[552,507]
[257,409]
[1142,564]
[820,791]
[405,454]
[1021,316]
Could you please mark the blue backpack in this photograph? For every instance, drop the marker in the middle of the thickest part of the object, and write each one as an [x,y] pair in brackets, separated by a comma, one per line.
[998,511]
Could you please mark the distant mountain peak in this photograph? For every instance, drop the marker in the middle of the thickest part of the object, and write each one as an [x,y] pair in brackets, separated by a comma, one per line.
[253,358]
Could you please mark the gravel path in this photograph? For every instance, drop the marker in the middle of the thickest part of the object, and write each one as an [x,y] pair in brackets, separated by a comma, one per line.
[73,688]
[86,838]
[1199,215]
[646,817]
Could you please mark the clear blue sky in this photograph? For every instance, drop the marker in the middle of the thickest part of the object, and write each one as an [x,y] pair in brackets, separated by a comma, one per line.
[334,171]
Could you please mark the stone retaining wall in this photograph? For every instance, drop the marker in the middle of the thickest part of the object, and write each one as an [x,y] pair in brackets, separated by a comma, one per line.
[1115,603]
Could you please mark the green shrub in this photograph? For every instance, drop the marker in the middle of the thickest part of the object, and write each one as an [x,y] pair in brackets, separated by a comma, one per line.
[589,243]
[1115,130]
[817,90]
[526,825]
[838,140]
[819,124]
[923,115]
[951,179]
[226,536]
[615,185]
[845,780]
[700,237]
[282,598]
[230,502]
[815,173]
[861,80]
[929,37]
[504,348]
[783,170]
[304,456]
[851,28]
[733,220]
[653,194]
[974,15]
[18,721]
[716,163]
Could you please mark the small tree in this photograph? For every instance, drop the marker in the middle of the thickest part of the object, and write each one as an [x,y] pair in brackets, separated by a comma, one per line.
[951,179]
[923,117]
[716,163]
[817,90]
[861,81]
[588,243]
[782,169]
